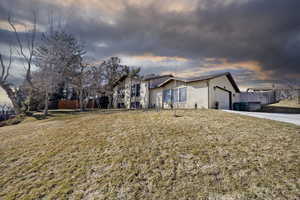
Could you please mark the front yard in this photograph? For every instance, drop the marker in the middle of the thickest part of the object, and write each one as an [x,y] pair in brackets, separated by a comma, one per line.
[203,154]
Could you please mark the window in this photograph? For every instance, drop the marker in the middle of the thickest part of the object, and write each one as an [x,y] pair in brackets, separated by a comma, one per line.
[138,90]
[135,90]
[167,96]
[175,95]
[182,94]
[132,90]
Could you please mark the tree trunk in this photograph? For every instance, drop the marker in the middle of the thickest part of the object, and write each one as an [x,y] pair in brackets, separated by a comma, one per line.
[98,102]
[12,96]
[46,103]
[29,99]
[110,99]
[81,100]
[94,102]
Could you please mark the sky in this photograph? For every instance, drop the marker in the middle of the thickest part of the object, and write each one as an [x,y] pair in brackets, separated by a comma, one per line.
[258,41]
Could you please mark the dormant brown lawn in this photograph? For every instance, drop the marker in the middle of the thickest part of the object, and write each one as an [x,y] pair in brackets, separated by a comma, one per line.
[204,154]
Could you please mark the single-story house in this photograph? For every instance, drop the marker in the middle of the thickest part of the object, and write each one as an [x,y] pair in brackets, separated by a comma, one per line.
[213,91]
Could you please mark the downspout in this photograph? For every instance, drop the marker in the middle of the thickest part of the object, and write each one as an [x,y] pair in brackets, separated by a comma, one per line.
[208,103]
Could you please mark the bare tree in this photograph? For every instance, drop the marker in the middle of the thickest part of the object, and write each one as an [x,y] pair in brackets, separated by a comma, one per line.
[133,74]
[81,82]
[25,48]
[97,81]
[46,81]
[58,57]
[8,87]
[112,72]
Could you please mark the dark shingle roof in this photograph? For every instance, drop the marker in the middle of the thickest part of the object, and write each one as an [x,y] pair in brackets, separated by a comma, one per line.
[202,78]
[154,76]
[156,80]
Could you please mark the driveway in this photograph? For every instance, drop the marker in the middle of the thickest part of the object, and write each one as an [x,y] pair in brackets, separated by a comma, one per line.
[289,118]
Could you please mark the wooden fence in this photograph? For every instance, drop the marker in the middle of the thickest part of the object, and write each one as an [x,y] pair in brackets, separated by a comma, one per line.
[68,104]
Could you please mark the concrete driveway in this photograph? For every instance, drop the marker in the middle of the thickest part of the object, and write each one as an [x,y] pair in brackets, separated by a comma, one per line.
[289,118]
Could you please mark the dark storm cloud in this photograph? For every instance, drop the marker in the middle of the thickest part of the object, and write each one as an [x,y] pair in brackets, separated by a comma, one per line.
[264,31]
[5,36]
[267,32]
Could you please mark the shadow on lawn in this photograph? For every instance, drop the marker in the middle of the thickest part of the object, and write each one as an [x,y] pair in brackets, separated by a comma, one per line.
[54,113]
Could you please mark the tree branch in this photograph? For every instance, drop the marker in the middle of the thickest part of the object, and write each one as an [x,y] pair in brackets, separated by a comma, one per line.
[17,37]
[2,67]
[9,64]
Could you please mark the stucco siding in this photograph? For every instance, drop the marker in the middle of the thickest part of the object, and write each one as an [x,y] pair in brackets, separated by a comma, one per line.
[197,94]
[127,100]
[156,97]
[144,96]
[222,82]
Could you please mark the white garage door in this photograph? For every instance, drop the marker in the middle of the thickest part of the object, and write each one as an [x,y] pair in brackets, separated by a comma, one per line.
[223,98]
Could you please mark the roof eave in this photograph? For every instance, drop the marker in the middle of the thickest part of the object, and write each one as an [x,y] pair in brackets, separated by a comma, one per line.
[227,74]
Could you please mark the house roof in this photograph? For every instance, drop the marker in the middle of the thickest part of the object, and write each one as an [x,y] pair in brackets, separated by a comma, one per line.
[202,78]
[155,81]
[154,76]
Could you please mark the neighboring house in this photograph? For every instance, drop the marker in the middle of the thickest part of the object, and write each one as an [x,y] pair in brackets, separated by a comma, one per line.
[213,91]
[134,92]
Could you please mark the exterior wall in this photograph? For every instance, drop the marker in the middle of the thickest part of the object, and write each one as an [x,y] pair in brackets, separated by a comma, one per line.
[126,87]
[144,94]
[172,85]
[197,93]
[116,97]
[156,98]
[222,82]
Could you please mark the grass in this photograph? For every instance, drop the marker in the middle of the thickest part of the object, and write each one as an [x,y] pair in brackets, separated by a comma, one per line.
[203,154]
[288,103]
[284,106]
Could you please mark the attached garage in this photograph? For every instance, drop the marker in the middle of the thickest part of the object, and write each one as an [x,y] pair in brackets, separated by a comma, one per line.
[223,98]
